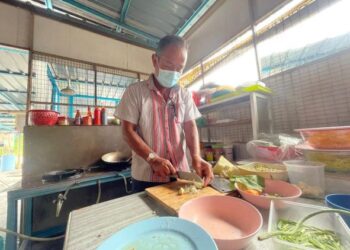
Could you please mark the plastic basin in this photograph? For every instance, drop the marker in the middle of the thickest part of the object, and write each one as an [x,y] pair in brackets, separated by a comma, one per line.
[285,190]
[340,201]
[232,222]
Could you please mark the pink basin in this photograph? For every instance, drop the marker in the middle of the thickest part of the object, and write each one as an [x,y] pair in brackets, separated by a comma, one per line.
[284,189]
[232,222]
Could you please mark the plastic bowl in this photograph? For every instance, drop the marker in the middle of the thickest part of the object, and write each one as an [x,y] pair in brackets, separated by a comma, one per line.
[286,190]
[327,137]
[278,171]
[231,221]
[335,160]
[43,117]
[340,201]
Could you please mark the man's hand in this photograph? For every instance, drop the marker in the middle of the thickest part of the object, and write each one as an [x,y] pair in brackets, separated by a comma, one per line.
[203,169]
[162,167]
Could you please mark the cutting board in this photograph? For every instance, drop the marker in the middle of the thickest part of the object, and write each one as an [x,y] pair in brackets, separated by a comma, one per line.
[167,195]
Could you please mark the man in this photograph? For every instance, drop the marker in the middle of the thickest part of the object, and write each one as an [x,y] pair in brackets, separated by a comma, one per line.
[158,116]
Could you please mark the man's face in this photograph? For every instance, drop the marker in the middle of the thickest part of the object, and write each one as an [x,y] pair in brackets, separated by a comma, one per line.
[172,58]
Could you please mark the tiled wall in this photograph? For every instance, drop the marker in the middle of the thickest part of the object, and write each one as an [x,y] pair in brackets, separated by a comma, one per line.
[313,95]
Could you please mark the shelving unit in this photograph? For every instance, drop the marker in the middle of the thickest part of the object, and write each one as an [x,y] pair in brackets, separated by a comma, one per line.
[239,119]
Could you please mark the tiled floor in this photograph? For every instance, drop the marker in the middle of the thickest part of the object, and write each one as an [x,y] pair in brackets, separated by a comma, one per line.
[7,181]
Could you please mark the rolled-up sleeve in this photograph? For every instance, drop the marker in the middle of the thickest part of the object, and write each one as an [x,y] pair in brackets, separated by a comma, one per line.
[129,108]
[191,110]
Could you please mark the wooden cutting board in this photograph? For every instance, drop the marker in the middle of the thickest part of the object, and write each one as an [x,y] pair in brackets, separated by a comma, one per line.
[167,195]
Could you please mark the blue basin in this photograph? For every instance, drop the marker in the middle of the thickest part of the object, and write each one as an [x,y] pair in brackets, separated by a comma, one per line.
[340,201]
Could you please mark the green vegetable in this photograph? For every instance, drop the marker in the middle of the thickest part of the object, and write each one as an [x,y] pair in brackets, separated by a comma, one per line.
[306,235]
[309,236]
[224,168]
[249,181]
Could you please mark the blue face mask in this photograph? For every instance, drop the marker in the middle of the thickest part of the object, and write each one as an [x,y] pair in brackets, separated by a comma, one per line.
[167,78]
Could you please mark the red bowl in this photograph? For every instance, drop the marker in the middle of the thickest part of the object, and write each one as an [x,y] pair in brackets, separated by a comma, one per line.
[43,117]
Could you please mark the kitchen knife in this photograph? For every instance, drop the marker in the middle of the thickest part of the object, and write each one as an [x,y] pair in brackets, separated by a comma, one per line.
[189,176]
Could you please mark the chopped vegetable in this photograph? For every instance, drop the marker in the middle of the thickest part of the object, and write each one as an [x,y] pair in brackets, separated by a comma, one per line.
[262,167]
[252,191]
[254,182]
[271,195]
[192,189]
[305,235]
[198,185]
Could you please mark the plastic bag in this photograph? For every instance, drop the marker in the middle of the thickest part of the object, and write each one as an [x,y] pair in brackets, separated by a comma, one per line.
[275,148]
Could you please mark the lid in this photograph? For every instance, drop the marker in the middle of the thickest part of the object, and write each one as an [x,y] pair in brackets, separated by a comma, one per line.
[323,128]
[303,163]
[309,148]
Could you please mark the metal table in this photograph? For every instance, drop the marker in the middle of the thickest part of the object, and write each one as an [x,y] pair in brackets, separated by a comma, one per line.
[88,227]
[35,187]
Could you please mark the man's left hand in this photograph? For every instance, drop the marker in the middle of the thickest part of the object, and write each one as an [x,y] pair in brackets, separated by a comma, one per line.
[203,169]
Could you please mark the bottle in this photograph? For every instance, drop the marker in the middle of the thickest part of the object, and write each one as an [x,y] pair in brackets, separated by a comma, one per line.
[77,119]
[89,112]
[97,116]
[87,120]
[104,117]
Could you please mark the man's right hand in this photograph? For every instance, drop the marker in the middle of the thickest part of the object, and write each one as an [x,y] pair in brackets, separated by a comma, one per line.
[162,167]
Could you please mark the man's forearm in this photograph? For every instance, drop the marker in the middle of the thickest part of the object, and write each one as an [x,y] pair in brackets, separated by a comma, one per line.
[192,138]
[136,143]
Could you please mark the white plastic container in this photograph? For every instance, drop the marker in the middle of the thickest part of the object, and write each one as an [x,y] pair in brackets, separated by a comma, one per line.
[308,176]
[296,211]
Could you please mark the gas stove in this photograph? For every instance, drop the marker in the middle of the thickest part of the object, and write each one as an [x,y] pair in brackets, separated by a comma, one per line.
[72,174]
[59,175]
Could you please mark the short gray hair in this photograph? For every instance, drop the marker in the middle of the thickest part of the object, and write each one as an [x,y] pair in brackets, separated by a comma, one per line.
[171,40]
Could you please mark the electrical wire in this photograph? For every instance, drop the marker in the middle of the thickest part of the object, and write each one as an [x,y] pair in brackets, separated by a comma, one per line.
[26,237]
[125,183]
[99,192]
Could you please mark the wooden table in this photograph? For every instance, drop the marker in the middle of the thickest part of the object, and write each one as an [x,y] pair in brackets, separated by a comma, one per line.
[90,226]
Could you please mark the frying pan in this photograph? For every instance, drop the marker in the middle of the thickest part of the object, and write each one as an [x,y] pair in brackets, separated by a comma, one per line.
[116,160]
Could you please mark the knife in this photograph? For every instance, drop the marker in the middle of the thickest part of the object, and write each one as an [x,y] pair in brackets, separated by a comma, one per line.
[188,176]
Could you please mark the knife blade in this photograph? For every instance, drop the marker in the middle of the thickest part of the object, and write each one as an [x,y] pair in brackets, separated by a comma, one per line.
[189,176]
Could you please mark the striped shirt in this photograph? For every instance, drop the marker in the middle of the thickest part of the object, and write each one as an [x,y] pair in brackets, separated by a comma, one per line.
[159,124]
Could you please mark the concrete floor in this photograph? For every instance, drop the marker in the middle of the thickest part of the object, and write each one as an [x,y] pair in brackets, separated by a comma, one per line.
[8,180]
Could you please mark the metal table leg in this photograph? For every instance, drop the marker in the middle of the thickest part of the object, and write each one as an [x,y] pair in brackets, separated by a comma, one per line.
[11,241]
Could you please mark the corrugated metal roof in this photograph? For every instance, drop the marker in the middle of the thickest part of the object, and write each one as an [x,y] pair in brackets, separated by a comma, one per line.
[143,22]
[13,78]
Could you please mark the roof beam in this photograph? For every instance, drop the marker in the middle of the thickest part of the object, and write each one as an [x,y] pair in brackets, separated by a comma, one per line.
[14,91]
[198,13]
[124,12]
[48,4]
[98,14]
[12,73]
[14,50]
